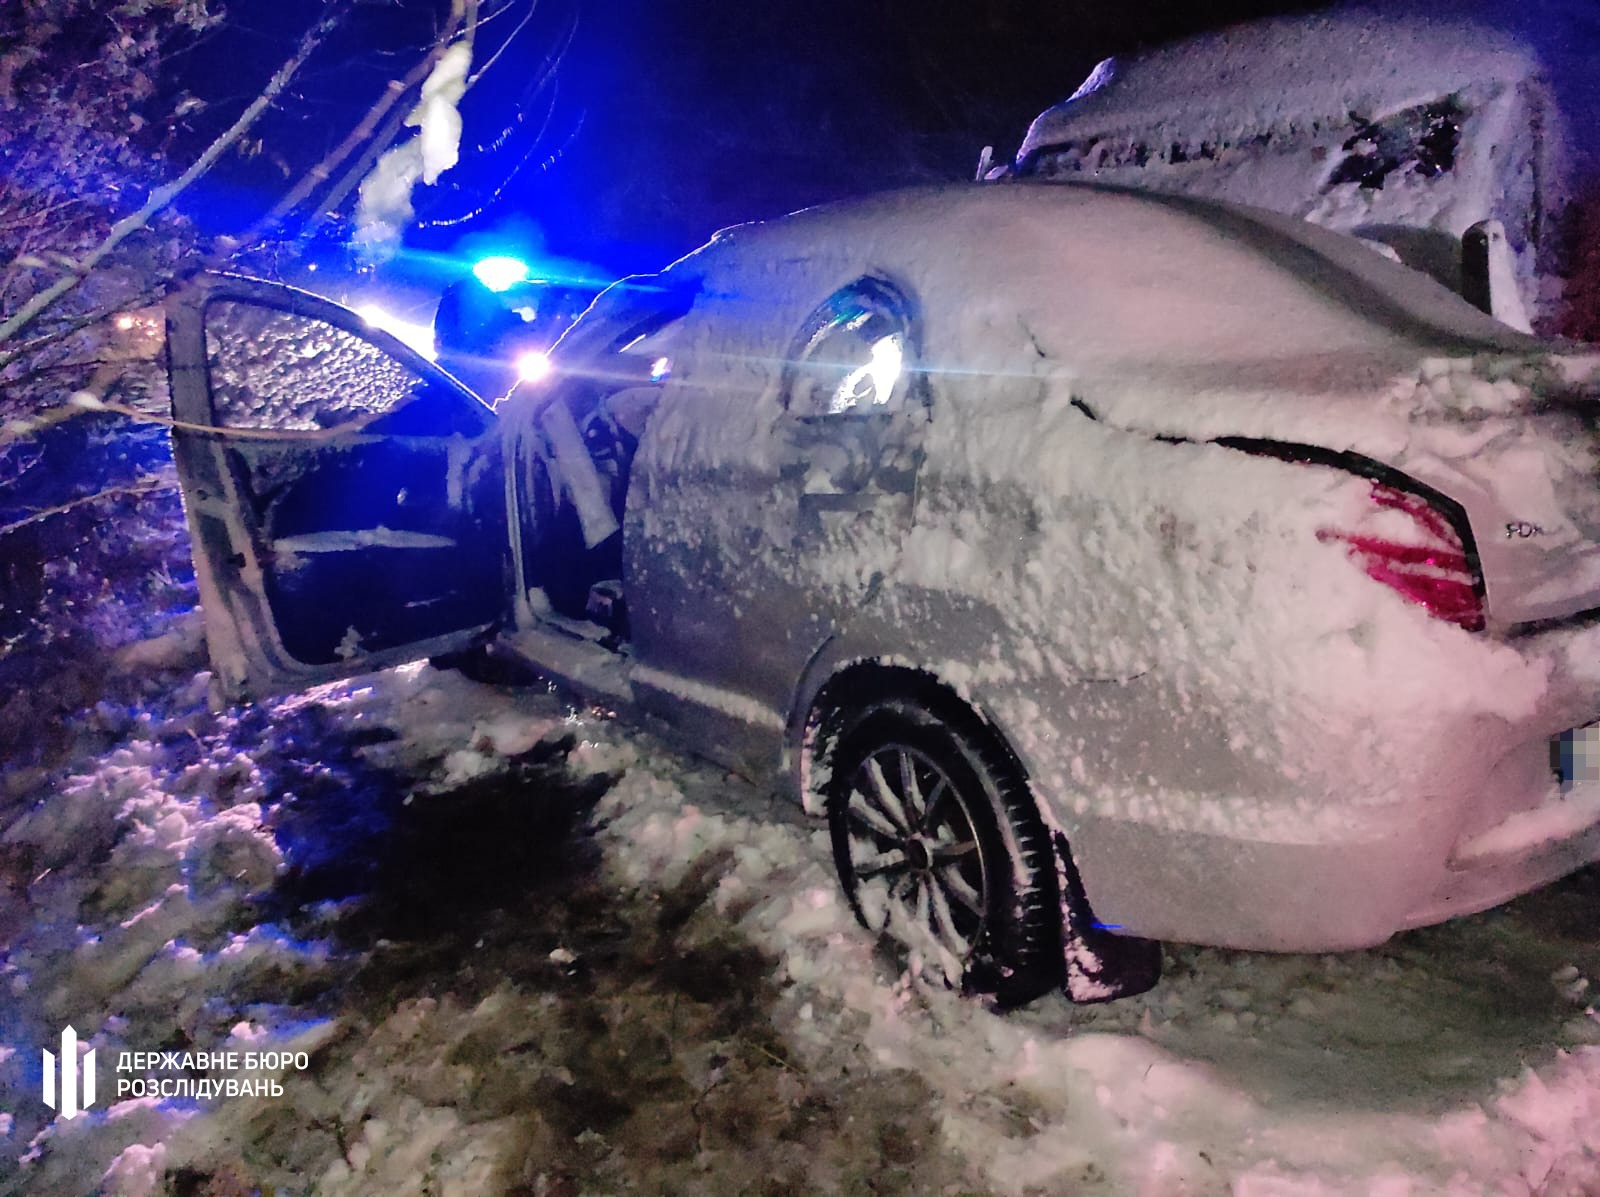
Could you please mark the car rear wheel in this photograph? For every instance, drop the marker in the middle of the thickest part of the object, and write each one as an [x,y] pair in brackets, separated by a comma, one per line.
[939,848]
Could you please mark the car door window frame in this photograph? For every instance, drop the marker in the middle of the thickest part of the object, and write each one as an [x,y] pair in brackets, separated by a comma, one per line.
[857,305]
[248,652]
[466,413]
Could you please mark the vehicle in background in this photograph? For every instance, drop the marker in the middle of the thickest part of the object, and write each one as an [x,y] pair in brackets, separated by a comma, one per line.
[496,326]
[1415,132]
[487,319]
[1104,566]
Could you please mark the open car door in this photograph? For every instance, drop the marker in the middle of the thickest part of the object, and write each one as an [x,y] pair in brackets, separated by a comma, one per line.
[345,497]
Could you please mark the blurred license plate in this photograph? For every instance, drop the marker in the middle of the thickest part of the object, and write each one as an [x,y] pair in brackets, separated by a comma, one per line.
[1575,755]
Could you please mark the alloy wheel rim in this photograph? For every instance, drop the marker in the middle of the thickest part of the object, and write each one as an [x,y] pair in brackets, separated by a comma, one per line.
[919,868]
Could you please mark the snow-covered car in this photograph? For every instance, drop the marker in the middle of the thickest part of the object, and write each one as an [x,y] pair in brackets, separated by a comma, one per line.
[1106,567]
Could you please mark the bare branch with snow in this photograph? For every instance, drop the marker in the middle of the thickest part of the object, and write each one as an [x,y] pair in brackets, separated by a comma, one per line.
[163,196]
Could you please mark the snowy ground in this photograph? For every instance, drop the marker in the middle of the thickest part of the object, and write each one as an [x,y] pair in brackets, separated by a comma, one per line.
[528,949]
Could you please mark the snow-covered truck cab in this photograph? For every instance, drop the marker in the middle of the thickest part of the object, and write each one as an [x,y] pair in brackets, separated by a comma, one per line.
[1408,131]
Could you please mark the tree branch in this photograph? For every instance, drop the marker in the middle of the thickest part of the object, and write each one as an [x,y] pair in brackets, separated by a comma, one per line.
[352,177]
[369,124]
[148,297]
[142,487]
[162,196]
[464,22]
[506,42]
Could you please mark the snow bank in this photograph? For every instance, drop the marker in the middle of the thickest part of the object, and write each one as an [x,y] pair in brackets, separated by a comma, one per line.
[1167,1093]
[1463,1060]
[1061,1097]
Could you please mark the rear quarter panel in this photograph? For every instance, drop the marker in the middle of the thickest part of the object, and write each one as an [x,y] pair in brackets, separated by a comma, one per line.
[1167,645]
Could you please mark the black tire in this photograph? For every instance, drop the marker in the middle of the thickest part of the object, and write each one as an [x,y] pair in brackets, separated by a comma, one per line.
[940,848]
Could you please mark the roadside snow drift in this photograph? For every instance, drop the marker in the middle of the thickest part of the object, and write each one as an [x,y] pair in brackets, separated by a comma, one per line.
[1458,1060]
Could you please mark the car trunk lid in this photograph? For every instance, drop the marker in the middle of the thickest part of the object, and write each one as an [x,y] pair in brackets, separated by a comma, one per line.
[1513,438]
[1517,443]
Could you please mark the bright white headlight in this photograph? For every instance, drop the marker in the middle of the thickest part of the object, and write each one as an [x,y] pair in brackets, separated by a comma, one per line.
[531,367]
[418,336]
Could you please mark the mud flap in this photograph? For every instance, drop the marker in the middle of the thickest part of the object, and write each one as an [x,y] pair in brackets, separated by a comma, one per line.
[1100,965]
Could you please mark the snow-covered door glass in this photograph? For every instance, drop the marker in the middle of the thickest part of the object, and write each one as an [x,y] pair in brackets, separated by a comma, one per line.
[278,370]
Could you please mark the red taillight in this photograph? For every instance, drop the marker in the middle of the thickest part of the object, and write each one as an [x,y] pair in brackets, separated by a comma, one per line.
[1429,567]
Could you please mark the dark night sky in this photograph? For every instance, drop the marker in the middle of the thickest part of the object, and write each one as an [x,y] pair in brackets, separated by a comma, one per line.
[672,118]
[696,115]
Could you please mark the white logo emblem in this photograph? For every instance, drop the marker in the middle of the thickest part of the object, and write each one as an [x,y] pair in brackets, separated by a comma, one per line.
[71,1103]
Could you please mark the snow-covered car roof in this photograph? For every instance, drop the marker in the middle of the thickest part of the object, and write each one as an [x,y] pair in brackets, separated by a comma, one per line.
[1106,279]
[1176,315]
[1286,71]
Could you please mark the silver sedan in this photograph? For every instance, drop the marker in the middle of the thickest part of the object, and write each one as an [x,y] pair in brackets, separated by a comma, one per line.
[1103,567]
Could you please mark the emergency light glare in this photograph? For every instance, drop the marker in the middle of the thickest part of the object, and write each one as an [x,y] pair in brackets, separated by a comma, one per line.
[500,273]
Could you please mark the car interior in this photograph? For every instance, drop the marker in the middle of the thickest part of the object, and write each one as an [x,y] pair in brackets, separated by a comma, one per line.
[576,481]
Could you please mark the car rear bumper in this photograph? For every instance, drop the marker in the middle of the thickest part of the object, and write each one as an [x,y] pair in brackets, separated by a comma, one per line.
[1525,851]
[1187,886]
[1194,887]
[1434,814]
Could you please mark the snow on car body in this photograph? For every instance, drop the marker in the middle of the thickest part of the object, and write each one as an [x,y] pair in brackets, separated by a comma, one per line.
[1407,129]
[1192,546]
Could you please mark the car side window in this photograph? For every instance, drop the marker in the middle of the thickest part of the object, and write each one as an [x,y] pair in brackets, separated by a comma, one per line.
[286,371]
[1422,141]
[855,355]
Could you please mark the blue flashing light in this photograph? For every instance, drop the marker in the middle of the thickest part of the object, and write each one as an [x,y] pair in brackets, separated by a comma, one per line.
[500,273]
